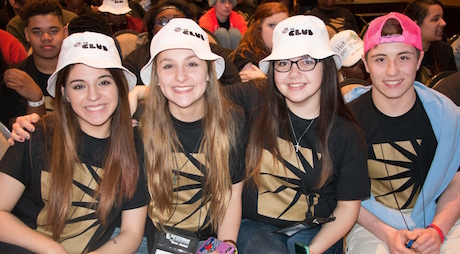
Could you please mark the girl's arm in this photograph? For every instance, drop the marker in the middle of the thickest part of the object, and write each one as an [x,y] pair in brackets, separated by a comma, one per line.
[13,230]
[346,214]
[230,224]
[131,232]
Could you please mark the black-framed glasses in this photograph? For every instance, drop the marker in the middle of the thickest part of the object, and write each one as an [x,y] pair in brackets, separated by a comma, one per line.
[304,64]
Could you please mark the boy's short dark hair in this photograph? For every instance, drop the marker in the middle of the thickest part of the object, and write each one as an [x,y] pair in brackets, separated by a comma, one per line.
[33,8]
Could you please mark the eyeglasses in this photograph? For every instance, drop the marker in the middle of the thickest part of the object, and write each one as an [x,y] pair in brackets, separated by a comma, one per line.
[304,64]
[163,21]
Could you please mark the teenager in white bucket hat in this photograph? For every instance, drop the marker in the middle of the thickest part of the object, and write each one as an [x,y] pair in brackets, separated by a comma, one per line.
[194,154]
[83,161]
[182,33]
[92,49]
[305,151]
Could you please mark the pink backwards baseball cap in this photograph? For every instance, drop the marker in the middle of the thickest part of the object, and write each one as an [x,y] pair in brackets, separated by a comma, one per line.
[411,32]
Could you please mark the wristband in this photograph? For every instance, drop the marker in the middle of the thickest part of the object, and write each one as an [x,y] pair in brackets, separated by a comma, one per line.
[35,104]
[233,243]
[440,233]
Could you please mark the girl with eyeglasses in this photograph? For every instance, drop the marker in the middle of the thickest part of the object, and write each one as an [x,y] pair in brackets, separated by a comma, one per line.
[306,155]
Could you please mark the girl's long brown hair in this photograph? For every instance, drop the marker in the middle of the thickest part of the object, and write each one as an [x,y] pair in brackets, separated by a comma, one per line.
[120,164]
[252,40]
[272,120]
[161,141]
[417,11]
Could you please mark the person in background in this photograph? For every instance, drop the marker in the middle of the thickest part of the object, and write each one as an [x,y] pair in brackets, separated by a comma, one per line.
[77,6]
[64,189]
[194,139]
[9,10]
[257,41]
[17,25]
[438,57]
[155,19]
[45,32]
[306,152]
[116,12]
[413,148]
[350,48]
[227,25]
[12,104]
[338,17]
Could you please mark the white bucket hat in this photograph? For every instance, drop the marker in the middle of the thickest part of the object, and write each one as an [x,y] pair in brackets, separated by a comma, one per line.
[93,49]
[349,47]
[182,33]
[298,36]
[116,7]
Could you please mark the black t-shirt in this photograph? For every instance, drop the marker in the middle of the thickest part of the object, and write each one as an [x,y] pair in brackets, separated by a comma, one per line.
[12,105]
[240,60]
[190,213]
[402,147]
[28,163]
[286,193]
[28,65]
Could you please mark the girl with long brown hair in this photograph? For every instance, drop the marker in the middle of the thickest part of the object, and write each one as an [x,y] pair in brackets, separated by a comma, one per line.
[65,189]
[438,57]
[306,156]
[256,43]
[193,156]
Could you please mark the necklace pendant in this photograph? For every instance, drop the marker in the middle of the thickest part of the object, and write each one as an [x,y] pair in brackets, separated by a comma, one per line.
[174,179]
[297,147]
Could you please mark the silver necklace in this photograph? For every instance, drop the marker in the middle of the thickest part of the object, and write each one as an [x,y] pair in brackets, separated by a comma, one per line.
[297,141]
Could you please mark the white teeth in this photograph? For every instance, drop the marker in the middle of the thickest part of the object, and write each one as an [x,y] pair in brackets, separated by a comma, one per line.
[392,82]
[296,85]
[182,88]
[96,108]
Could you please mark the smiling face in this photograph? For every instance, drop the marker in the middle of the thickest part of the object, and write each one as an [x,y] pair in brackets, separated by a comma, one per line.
[182,78]
[302,89]
[45,34]
[432,27]
[268,24]
[93,96]
[392,67]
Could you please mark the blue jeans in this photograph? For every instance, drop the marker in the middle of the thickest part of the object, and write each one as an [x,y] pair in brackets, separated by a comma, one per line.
[228,38]
[257,237]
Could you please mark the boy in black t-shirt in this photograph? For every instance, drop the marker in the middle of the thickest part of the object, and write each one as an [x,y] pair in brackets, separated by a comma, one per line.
[45,32]
[413,149]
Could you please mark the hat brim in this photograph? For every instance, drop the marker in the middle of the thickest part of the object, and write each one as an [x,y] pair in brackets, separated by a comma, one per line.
[116,11]
[353,58]
[130,77]
[219,62]
[297,51]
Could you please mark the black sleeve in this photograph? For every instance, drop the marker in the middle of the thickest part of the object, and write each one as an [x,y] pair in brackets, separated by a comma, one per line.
[237,156]
[141,196]
[350,156]
[231,74]
[136,60]
[240,60]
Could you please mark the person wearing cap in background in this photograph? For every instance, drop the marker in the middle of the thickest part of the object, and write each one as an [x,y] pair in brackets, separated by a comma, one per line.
[333,15]
[413,138]
[350,48]
[117,12]
[228,25]
[305,150]
[194,139]
[57,188]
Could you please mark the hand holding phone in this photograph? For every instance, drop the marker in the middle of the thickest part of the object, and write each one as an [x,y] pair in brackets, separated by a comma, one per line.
[215,246]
